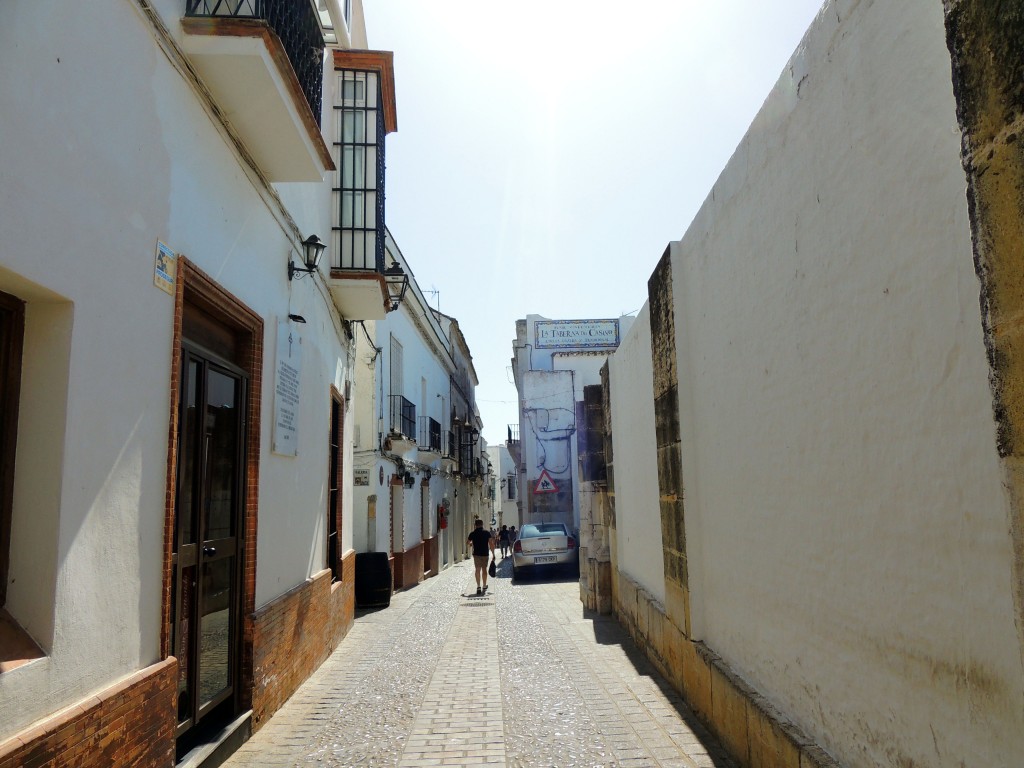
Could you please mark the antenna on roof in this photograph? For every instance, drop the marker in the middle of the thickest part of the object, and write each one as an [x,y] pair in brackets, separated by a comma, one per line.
[436,294]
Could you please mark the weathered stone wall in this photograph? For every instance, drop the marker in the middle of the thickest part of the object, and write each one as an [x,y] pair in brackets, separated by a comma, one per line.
[986,42]
[595,555]
[668,442]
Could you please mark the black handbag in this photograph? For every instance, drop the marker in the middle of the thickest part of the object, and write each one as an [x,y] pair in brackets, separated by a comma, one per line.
[492,569]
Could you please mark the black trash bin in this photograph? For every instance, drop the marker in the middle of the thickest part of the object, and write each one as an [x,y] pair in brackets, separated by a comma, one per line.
[373,580]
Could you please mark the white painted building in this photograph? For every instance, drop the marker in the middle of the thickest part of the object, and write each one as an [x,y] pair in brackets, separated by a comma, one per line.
[176,430]
[416,423]
[553,360]
[504,486]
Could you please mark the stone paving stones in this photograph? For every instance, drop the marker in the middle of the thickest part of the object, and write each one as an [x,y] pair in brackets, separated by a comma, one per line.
[518,677]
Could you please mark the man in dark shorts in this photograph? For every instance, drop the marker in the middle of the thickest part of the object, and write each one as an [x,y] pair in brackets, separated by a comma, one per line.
[483,545]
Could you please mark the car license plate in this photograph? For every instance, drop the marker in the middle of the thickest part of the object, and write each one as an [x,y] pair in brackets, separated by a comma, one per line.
[544,559]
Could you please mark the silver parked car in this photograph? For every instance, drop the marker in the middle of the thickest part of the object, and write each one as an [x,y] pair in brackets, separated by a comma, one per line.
[543,544]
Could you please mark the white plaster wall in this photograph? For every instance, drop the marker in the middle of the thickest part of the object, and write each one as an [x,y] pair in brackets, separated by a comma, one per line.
[637,502]
[846,521]
[103,160]
[505,509]
[551,390]
[585,366]
[426,366]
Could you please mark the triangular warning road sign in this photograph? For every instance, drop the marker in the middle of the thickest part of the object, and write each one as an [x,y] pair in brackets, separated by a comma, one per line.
[545,483]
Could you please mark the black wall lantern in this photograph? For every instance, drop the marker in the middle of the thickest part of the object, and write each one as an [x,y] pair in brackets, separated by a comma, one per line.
[397,282]
[312,250]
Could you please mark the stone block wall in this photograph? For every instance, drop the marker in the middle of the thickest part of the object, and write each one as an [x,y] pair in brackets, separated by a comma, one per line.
[754,732]
[130,723]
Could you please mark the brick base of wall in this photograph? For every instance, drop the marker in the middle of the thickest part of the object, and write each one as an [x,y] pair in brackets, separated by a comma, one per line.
[343,600]
[128,724]
[294,634]
[753,731]
[408,567]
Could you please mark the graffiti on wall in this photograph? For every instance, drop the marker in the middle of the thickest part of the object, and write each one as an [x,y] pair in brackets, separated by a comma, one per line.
[550,416]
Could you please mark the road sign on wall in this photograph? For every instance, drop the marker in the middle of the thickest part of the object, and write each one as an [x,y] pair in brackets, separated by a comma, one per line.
[545,484]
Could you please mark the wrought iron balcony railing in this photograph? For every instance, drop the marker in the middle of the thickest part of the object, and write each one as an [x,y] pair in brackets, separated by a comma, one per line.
[403,417]
[469,464]
[430,435]
[450,448]
[295,22]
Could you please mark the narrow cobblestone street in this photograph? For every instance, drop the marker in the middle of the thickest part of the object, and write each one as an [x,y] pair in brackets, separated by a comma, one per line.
[519,677]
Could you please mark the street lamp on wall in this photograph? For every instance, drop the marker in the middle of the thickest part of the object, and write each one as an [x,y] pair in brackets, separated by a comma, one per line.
[397,283]
[312,250]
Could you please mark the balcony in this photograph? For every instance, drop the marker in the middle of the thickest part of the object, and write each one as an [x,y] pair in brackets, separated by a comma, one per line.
[467,462]
[402,430]
[513,444]
[449,452]
[364,113]
[262,61]
[429,439]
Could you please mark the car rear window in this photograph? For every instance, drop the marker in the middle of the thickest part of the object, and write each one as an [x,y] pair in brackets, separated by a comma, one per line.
[541,529]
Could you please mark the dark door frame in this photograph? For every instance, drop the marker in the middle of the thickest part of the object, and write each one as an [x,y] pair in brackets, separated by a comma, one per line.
[201,292]
[205,549]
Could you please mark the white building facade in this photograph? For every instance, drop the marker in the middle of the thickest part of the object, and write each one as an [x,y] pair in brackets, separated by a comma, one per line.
[553,360]
[504,486]
[416,487]
[175,548]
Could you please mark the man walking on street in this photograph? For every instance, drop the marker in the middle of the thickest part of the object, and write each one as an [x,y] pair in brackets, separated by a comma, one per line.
[483,546]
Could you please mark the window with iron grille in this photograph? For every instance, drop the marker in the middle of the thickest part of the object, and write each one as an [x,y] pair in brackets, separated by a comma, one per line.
[358,226]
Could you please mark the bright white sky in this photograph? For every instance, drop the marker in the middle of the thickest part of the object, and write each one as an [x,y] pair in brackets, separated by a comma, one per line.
[547,152]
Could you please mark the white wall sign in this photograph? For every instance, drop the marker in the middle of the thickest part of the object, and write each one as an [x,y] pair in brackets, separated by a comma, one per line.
[286,389]
[362,477]
[549,334]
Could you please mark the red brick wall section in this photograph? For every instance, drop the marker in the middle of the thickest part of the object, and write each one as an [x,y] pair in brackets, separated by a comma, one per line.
[128,724]
[292,636]
[409,567]
[343,600]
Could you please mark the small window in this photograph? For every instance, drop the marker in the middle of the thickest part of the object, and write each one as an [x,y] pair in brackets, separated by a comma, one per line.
[354,92]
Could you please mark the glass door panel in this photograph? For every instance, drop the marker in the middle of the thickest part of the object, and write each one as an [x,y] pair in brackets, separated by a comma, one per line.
[222,455]
[215,630]
[209,502]
[185,586]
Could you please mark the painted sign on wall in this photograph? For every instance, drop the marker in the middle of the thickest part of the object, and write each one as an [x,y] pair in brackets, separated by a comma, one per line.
[286,390]
[552,334]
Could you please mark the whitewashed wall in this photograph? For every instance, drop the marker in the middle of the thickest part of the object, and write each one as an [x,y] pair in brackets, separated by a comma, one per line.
[426,366]
[846,521]
[102,160]
[637,501]
[506,510]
